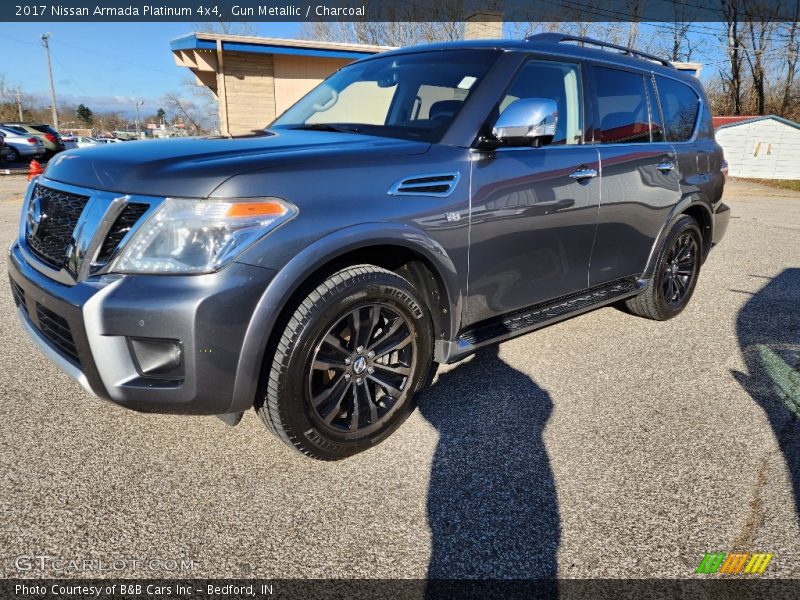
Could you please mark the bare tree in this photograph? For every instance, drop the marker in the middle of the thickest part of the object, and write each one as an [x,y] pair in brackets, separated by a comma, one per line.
[792,51]
[758,27]
[186,110]
[731,11]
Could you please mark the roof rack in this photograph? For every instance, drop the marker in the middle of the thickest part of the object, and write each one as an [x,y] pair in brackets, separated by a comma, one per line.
[556,38]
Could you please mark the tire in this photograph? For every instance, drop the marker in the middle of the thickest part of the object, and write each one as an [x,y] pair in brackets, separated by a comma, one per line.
[12,155]
[332,388]
[675,276]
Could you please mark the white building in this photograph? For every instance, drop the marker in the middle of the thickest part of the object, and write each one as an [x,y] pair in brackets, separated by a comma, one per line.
[765,147]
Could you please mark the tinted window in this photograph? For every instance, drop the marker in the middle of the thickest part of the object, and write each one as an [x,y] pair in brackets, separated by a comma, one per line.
[680,106]
[558,82]
[621,107]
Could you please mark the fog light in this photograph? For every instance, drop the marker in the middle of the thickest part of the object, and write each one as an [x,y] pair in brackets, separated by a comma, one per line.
[157,358]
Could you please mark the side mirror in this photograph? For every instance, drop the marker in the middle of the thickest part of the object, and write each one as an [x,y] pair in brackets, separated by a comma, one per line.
[527,122]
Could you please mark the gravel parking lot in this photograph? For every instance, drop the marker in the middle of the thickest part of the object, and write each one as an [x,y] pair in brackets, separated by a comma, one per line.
[605,446]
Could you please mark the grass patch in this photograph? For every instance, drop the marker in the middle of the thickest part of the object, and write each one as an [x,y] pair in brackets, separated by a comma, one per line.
[784,184]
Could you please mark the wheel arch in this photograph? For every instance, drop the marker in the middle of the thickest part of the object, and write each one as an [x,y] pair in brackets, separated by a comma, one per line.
[400,248]
[696,206]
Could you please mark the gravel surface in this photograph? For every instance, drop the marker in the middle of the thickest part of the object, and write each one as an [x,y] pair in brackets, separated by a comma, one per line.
[605,446]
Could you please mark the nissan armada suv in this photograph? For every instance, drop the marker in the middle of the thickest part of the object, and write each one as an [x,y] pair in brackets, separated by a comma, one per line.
[415,206]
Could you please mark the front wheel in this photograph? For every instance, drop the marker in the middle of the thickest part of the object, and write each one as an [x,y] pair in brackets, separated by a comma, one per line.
[349,362]
[675,275]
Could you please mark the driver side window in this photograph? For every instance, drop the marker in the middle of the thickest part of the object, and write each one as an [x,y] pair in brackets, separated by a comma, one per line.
[560,82]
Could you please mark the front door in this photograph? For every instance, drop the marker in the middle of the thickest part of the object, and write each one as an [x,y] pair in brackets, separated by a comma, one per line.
[534,210]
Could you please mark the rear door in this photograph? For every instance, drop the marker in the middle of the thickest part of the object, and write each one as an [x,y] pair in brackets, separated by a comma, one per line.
[640,181]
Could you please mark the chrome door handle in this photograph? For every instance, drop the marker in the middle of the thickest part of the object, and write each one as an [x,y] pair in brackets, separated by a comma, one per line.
[583,174]
[665,166]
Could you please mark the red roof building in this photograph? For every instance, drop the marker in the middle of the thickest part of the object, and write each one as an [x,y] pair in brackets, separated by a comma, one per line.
[719,121]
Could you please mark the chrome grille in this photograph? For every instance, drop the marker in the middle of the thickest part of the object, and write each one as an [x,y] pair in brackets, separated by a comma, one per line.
[124,223]
[57,213]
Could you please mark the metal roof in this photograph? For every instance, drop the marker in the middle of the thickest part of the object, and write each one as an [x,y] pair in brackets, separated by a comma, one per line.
[733,121]
[262,45]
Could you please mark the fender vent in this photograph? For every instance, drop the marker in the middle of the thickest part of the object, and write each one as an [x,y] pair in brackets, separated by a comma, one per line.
[439,185]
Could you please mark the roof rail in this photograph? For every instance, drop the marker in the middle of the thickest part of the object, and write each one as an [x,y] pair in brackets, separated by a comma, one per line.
[556,38]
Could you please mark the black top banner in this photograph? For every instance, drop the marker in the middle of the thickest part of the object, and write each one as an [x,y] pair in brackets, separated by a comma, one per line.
[400,10]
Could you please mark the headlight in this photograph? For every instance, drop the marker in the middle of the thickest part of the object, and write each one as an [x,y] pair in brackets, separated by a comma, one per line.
[199,236]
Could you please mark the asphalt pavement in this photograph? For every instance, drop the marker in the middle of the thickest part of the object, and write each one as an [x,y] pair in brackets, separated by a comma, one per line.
[604,446]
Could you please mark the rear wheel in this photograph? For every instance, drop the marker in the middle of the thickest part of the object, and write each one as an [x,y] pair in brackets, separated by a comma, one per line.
[349,362]
[675,275]
[12,155]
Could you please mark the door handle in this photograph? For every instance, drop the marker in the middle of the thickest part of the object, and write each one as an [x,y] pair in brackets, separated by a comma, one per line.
[665,166]
[583,174]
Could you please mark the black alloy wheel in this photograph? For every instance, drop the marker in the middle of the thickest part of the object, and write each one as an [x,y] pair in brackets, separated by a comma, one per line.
[680,269]
[360,370]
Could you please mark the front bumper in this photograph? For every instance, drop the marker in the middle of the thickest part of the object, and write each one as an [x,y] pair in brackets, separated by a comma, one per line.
[86,330]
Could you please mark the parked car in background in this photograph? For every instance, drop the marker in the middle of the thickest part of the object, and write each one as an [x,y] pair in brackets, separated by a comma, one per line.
[84,141]
[21,145]
[3,148]
[51,139]
[108,140]
[70,141]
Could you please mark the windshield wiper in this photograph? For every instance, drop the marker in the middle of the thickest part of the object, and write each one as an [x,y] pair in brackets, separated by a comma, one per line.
[326,127]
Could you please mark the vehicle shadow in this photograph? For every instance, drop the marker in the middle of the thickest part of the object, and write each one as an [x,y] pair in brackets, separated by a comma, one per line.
[768,331]
[492,506]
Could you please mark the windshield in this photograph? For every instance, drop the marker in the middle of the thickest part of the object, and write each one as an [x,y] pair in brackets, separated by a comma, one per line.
[408,96]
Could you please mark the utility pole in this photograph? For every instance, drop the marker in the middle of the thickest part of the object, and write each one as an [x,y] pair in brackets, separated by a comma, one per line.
[18,96]
[45,37]
[138,127]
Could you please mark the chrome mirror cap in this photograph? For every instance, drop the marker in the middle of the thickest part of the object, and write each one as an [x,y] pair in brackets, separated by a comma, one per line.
[527,120]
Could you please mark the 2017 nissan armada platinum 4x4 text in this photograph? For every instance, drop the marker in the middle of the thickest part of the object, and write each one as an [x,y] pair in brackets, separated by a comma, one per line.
[415,206]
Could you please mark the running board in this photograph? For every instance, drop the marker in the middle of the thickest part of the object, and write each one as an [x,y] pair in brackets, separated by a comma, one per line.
[534,317]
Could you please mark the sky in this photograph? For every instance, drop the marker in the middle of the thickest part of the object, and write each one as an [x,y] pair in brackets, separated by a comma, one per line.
[107,66]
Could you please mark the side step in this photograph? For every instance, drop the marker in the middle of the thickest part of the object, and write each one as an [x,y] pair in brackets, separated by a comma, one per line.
[538,315]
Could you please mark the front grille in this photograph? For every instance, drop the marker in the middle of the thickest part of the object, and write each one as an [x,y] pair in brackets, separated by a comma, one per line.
[59,212]
[56,329]
[125,221]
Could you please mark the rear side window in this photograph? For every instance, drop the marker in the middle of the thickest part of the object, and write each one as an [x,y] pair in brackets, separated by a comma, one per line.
[680,105]
[621,107]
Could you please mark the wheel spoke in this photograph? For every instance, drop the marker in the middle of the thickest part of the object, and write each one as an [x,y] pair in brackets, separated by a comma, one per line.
[392,345]
[396,369]
[396,324]
[670,289]
[680,288]
[336,391]
[390,389]
[354,416]
[336,344]
[366,327]
[323,364]
[373,408]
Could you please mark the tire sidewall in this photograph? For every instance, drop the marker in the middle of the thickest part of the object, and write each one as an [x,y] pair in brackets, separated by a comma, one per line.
[296,410]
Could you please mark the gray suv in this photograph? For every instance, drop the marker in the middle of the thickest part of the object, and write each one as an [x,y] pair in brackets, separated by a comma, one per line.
[415,206]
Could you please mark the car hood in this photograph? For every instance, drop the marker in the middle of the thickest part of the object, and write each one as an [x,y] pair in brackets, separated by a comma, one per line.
[194,167]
